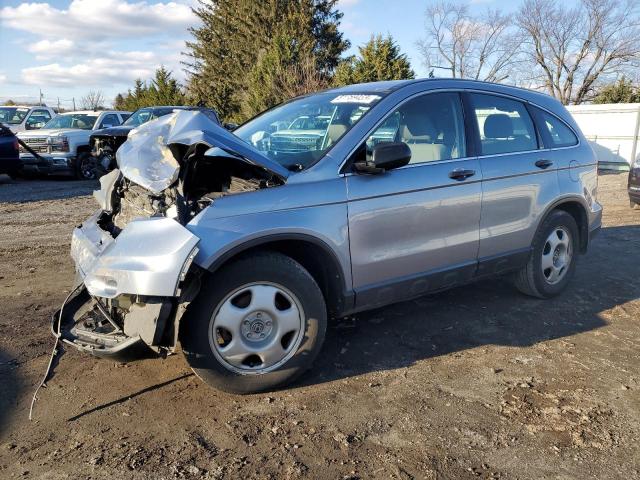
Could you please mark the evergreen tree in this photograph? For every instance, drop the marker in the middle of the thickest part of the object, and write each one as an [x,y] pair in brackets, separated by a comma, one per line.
[378,59]
[235,35]
[119,102]
[163,90]
[622,91]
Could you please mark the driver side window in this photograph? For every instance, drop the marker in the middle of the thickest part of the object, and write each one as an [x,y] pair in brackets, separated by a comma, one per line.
[432,125]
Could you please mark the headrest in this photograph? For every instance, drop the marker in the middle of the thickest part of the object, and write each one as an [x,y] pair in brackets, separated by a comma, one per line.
[417,125]
[498,125]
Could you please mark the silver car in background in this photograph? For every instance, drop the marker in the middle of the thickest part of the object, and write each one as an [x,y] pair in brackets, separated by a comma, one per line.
[242,251]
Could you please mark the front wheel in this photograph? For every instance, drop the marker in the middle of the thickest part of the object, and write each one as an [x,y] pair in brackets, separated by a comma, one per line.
[553,257]
[256,324]
[86,167]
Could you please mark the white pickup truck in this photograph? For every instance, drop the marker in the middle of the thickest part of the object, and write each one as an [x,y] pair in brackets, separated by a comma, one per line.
[62,146]
[18,118]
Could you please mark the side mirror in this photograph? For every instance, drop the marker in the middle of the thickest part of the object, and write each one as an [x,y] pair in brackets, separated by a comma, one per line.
[230,126]
[385,156]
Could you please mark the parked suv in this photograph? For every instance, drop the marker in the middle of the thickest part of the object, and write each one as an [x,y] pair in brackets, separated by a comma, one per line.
[242,254]
[633,184]
[62,145]
[105,143]
[19,119]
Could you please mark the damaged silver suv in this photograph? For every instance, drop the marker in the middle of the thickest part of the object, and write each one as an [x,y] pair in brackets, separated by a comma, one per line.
[240,246]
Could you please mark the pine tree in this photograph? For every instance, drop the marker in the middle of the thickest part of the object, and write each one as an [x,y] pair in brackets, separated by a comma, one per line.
[164,89]
[119,102]
[235,35]
[378,59]
[623,91]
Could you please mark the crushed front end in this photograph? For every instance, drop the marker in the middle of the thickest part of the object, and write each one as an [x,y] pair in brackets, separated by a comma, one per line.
[134,257]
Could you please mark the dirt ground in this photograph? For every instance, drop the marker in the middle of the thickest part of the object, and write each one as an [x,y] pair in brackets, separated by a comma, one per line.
[477,382]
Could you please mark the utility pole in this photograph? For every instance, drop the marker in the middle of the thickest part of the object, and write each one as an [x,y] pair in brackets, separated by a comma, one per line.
[40,96]
[58,104]
[74,104]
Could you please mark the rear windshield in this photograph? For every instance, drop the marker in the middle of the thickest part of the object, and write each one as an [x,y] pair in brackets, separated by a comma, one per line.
[296,134]
[13,115]
[82,121]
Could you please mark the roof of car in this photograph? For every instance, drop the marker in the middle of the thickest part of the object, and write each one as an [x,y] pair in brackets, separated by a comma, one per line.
[391,85]
[96,112]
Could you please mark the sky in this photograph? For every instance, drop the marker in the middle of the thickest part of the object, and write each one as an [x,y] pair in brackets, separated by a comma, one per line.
[64,48]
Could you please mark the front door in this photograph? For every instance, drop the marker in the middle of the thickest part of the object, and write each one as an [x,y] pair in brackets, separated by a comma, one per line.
[416,228]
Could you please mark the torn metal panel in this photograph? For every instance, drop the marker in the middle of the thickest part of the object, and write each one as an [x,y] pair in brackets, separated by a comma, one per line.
[147,159]
[147,258]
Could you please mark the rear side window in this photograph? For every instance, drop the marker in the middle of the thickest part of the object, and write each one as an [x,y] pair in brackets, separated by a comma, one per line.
[555,132]
[505,125]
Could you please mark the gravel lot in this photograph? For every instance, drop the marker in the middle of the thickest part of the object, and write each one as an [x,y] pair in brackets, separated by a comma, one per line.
[477,382]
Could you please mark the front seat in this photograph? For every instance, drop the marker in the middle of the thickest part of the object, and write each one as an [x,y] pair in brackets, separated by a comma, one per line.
[420,134]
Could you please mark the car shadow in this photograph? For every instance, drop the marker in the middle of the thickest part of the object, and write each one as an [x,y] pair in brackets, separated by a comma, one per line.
[489,312]
[10,389]
[43,189]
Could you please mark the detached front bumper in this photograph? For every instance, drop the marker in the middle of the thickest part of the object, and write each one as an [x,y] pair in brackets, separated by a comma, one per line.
[139,273]
[47,164]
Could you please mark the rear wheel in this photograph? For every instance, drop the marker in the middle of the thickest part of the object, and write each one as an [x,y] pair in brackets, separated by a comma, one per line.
[256,324]
[553,256]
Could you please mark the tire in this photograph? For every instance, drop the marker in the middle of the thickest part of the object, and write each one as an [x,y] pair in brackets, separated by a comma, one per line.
[294,328]
[85,167]
[548,279]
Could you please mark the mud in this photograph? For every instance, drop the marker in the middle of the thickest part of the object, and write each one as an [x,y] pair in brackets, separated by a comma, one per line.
[476,382]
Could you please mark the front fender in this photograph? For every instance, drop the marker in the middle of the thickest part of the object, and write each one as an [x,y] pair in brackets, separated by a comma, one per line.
[149,257]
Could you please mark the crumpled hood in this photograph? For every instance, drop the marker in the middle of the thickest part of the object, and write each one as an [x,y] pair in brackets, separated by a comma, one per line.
[121,131]
[146,159]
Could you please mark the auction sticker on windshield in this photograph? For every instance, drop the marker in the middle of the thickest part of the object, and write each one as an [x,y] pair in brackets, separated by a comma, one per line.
[364,99]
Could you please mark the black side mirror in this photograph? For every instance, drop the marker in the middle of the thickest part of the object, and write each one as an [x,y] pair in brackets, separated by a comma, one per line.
[385,156]
[230,126]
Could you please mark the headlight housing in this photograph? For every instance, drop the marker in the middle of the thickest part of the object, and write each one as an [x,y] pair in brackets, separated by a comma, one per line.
[59,143]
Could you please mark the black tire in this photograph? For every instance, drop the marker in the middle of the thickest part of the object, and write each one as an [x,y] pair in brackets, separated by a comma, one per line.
[531,280]
[198,320]
[85,167]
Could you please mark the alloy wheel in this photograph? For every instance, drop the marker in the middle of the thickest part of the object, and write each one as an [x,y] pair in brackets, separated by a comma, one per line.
[256,328]
[557,255]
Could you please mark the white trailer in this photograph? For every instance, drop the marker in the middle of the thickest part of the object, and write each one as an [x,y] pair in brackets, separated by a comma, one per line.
[613,130]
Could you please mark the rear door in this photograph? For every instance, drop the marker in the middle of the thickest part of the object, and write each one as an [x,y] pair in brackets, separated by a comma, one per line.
[518,183]
[415,228]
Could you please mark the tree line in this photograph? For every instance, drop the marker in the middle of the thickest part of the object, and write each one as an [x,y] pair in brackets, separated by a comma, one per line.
[245,56]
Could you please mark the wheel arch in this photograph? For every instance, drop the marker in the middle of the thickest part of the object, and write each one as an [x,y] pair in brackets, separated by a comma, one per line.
[312,253]
[575,207]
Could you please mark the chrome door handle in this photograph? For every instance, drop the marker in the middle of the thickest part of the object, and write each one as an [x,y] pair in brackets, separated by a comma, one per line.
[544,164]
[461,174]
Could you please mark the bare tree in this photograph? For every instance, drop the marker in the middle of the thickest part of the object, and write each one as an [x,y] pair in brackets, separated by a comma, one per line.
[93,100]
[480,47]
[574,49]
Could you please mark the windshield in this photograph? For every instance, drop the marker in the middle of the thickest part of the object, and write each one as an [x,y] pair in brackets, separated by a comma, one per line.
[13,115]
[298,133]
[83,121]
[143,116]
